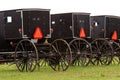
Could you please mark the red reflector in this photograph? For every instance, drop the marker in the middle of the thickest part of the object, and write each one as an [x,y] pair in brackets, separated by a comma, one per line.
[20,30]
[115,35]
[51,30]
[38,33]
[82,33]
[11,43]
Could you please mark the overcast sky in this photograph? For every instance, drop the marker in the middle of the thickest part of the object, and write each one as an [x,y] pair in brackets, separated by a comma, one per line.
[95,7]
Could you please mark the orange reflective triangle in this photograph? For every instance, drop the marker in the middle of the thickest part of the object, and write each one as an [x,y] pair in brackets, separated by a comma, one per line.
[82,33]
[114,36]
[38,33]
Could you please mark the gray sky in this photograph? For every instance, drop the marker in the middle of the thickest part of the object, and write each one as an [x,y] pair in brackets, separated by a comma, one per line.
[95,7]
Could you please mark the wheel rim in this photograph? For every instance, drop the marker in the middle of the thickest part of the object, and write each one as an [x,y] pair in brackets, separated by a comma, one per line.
[116,54]
[20,65]
[102,52]
[63,55]
[26,55]
[81,52]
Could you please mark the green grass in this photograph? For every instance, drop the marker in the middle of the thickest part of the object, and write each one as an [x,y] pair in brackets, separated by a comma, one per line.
[111,72]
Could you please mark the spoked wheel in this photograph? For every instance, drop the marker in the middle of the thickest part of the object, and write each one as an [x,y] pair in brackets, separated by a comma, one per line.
[26,55]
[45,58]
[116,54]
[42,63]
[63,55]
[102,52]
[81,52]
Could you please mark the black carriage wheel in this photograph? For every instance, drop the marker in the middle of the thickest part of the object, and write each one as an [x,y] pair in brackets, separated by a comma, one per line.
[81,52]
[116,54]
[102,52]
[42,62]
[48,54]
[63,55]
[26,55]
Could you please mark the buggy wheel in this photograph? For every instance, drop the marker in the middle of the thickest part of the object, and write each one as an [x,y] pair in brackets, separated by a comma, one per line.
[42,63]
[48,53]
[116,54]
[81,52]
[63,55]
[102,52]
[26,55]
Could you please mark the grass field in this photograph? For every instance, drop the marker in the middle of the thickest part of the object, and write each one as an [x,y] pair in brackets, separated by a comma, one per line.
[111,72]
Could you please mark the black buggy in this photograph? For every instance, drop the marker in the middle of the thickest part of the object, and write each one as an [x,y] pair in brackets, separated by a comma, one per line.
[23,34]
[92,39]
